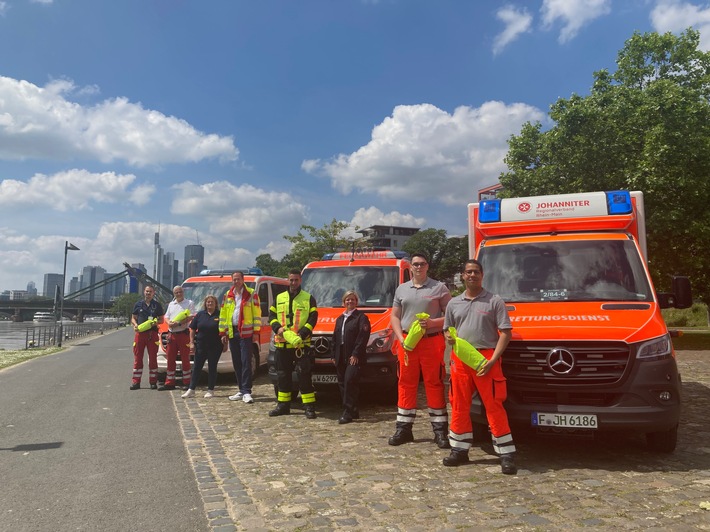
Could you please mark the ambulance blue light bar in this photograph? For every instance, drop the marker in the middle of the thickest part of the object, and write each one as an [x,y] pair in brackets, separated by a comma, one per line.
[489,211]
[619,202]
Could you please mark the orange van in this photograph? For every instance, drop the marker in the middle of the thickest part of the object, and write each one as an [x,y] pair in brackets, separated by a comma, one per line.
[217,283]
[590,350]
[374,275]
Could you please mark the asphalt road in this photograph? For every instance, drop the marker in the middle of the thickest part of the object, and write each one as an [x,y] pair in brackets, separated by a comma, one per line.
[79,451]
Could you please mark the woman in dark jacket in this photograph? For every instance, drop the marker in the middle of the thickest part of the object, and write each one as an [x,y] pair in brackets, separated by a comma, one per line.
[351,334]
[204,337]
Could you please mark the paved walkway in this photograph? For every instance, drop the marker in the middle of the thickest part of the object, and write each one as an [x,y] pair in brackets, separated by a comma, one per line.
[290,473]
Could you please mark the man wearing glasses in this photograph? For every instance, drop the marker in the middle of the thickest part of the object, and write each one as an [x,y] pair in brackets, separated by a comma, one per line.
[481,319]
[420,295]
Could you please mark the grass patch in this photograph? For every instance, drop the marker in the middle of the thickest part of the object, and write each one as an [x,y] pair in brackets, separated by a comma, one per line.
[10,358]
[697,340]
[695,316]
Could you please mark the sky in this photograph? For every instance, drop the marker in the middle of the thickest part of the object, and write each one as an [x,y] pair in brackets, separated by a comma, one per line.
[231,123]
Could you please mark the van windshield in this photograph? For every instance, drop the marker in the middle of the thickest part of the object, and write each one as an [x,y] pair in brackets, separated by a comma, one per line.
[199,291]
[374,285]
[583,270]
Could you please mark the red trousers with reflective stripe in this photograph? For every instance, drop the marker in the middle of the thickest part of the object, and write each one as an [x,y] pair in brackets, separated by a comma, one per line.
[142,341]
[427,358]
[177,344]
[492,389]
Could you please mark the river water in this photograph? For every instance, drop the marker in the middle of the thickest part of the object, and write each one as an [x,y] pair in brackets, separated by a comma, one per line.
[14,335]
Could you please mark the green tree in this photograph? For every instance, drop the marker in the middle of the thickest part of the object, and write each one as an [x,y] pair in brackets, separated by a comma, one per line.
[311,243]
[267,264]
[123,306]
[446,255]
[645,127]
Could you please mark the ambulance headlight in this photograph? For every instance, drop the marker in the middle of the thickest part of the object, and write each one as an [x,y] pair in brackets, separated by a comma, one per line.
[380,342]
[656,348]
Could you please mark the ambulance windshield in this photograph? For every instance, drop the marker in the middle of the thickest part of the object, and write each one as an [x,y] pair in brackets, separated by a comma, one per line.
[374,285]
[573,270]
[199,291]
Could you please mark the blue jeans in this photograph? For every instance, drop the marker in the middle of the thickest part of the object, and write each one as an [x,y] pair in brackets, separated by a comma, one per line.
[241,360]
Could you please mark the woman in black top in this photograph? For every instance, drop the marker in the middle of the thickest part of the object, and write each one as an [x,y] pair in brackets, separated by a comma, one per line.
[204,336]
[351,334]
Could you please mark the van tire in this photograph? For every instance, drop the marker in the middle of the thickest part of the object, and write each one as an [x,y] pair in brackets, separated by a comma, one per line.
[664,441]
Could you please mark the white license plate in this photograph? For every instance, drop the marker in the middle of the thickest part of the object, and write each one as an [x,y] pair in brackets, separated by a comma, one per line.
[331,379]
[574,421]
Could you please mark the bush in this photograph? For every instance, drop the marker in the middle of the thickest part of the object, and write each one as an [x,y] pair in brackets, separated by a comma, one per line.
[695,316]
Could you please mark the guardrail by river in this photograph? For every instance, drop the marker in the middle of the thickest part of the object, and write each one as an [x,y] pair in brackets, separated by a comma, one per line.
[47,335]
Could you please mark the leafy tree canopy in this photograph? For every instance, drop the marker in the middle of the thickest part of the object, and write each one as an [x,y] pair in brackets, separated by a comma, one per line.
[446,255]
[645,127]
[123,305]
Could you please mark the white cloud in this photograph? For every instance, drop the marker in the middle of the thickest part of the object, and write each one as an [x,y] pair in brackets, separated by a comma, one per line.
[573,14]
[676,16]
[3,8]
[46,2]
[517,22]
[366,217]
[70,190]
[422,153]
[40,122]
[239,212]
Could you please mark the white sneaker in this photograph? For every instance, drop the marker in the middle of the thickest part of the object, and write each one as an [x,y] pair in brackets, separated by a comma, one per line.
[236,397]
[188,393]
[247,398]
[209,394]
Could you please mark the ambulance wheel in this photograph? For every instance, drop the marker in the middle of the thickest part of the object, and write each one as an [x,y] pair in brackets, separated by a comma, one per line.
[663,441]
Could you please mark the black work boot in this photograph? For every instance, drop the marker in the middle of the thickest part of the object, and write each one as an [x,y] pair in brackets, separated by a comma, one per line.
[311,412]
[456,458]
[507,464]
[402,434]
[282,409]
[441,439]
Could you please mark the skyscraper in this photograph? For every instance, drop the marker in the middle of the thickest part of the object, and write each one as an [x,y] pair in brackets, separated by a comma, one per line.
[194,261]
[51,282]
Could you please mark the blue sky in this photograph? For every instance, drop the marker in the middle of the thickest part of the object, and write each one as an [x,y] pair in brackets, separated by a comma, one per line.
[237,121]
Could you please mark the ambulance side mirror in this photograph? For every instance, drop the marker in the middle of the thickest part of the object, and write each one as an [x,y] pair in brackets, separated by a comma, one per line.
[681,297]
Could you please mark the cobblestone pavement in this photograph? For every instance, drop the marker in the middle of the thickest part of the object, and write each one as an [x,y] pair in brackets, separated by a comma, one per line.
[290,473]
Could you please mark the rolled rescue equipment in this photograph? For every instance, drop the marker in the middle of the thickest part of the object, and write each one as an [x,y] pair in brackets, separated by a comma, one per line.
[147,324]
[415,333]
[181,316]
[466,353]
[293,338]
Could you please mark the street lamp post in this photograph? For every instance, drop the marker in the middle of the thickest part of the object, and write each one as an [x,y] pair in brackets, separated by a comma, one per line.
[67,247]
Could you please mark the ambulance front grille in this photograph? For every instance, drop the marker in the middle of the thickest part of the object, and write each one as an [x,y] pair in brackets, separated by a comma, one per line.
[568,364]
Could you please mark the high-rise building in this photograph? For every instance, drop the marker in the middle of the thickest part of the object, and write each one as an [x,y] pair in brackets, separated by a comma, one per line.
[133,283]
[157,258]
[31,289]
[52,281]
[115,288]
[170,270]
[194,261]
[91,275]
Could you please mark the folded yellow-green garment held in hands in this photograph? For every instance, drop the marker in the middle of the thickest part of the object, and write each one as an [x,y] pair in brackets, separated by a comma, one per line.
[415,332]
[293,338]
[147,324]
[466,353]
[183,315]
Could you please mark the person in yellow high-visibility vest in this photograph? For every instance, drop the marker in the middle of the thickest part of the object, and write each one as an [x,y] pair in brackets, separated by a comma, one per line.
[239,320]
[292,318]
[481,319]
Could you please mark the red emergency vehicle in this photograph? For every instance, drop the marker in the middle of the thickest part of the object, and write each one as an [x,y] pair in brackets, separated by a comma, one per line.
[590,350]
[374,275]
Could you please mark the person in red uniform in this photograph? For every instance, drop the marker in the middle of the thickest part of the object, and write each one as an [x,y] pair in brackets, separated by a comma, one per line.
[178,339]
[420,295]
[481,319]
[144,310]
